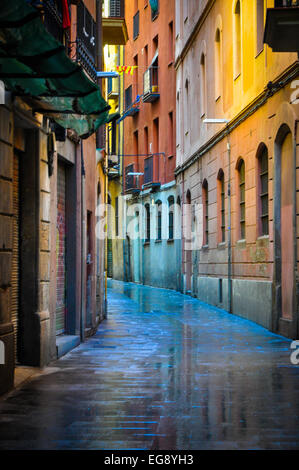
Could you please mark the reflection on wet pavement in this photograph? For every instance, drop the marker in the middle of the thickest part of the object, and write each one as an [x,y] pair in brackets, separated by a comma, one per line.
[164,371]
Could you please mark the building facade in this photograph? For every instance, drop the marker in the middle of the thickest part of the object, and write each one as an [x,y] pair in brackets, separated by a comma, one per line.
[150,250]
[48,183]
[242,171]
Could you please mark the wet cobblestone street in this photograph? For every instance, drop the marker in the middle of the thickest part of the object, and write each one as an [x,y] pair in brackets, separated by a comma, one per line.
[164,371]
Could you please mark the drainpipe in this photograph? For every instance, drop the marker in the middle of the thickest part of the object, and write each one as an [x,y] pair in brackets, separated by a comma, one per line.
[83,247]
[229,247]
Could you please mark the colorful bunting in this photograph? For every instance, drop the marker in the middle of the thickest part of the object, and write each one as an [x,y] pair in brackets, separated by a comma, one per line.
[126,69]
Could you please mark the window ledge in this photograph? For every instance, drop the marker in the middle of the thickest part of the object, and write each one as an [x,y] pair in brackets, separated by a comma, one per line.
[147,243]
[221,245]
[170,240]
[263,237]
[158,241]
[205,247]
[241,243]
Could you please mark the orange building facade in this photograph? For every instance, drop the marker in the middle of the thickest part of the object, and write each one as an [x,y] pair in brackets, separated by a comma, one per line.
[149,142]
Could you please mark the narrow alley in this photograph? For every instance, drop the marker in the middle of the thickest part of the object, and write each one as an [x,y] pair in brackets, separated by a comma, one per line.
[164,371]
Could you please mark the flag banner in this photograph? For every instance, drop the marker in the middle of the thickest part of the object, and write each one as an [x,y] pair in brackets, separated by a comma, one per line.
[128,69]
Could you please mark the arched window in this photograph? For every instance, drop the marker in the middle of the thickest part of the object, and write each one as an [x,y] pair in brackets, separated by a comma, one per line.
[205,202]
[203,85]
[218,64]
[170,218]
[187,216]
[263,202]
[241,173]
[159,220]
[147,223]
[237,39]
[221,207]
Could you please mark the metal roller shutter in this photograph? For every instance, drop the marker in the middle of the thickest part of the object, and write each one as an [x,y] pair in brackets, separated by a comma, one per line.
[15,251]
[60,252]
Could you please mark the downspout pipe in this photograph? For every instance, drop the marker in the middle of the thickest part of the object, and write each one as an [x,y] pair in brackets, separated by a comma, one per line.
[229,242]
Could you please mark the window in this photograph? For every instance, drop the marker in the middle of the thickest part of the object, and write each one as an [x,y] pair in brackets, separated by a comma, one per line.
[187,107]
[113,137]
[202,85]
[205,200]
[170,135]
[263,203]
[129,177]
[116,8]
[156,135]
[170,42]
[148,170]
[135,143]
[241,171]
[159,220]
[136,25]
[237,39]
[170,218]
[145,56]
[221,212]
[128,97]
[259,26]
[218,65]
[116,216]
[146,141]
[135,77]
[147,223]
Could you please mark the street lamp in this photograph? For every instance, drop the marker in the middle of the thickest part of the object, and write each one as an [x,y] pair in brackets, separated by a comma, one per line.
[229,243]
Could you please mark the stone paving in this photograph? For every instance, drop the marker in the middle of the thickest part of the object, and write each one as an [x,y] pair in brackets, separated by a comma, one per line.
[163,372]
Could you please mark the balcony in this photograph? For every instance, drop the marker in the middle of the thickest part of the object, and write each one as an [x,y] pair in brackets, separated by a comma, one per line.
[86,41]
[281,30]
[132,185]
[149,180]
[150,85]
[52,12]
[114,24]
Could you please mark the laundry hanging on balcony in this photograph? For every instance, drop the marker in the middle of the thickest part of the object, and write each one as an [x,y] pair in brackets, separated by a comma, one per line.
[154,5]
[34,65]
[66,22]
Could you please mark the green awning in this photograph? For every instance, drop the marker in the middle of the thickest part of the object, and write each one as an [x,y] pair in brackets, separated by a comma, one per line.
[34,64]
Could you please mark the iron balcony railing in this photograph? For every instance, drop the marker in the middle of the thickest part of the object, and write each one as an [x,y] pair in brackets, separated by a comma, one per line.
[86,40]
[53,18]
